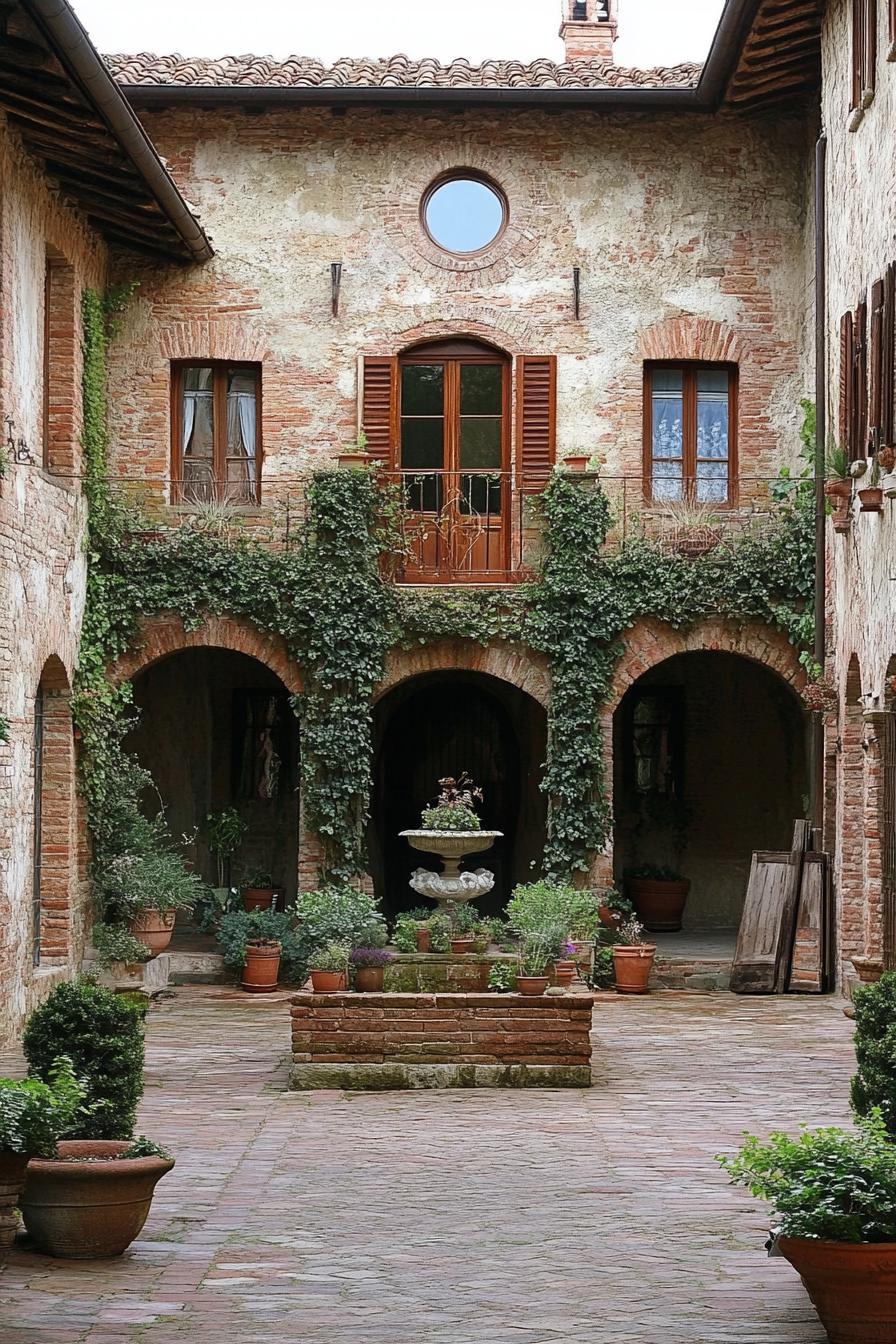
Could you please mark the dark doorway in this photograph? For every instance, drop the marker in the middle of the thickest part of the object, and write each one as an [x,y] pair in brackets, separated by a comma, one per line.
[709,764]
[441,724]
[216,730]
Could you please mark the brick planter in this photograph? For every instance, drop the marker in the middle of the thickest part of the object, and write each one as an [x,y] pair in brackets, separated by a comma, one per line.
[442,973]
[378,1042]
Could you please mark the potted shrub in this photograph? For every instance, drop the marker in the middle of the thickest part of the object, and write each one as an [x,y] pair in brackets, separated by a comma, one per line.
[337,914]
[874,1086]
[833,1193]
[91,1199]
[369,966]
[259,891]
[871,496]
[659,895]
[632,960]
[115,945]
[147,887]
[258,944]
[465,927]
[225,832]
[329,968]
[537,948]
[576,462]
[33,1117]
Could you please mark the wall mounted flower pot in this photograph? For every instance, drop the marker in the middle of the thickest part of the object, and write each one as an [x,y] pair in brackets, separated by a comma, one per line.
[632,967]
[871,499]
[693,542]
[262,968]
[888,484]
[92,1205]
[460,946]
[576,463]
[12,1181]
[839,491]
[153,928]
[369,979]
[660,905]
[531,985]
[258,898]
[422,936]
[327,982]
[355,460]
[852,1287]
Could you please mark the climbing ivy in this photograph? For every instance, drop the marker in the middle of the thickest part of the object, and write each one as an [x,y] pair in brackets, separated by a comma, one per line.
[339,617]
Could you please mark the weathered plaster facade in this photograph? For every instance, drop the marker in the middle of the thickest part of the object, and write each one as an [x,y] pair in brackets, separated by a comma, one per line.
[42,572]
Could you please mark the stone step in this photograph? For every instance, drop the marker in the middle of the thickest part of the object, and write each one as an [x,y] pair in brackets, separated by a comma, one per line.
[197,968]
[701,973]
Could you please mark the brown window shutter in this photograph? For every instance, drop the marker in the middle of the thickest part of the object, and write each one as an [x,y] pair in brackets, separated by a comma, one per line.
[846,362]
[860,390]
[888,358]
[875,393]
[870,45]
[536,419]
[379,405]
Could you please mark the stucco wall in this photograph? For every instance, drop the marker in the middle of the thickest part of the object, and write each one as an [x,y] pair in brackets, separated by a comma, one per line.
[861,214]
[42,577]
[689,234]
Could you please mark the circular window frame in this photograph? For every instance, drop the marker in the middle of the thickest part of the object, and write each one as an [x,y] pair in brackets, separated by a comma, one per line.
[465,175]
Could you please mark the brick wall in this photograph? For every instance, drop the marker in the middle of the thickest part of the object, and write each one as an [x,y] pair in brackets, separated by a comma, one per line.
[401,1040]
[42,574]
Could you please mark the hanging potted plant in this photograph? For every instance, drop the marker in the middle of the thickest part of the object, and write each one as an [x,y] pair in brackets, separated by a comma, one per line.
[632,960]
[329,969]
[833,1193]
[369,967]
[871,496]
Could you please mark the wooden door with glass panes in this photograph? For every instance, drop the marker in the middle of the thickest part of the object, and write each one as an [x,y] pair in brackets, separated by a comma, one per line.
[453,450]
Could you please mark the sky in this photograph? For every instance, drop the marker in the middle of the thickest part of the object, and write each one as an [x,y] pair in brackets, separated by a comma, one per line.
[651,32]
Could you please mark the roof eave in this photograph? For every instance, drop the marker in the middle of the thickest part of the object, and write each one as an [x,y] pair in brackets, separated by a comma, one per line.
[145,95]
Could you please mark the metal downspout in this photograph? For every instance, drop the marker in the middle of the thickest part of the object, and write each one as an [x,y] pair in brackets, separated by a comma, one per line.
[820,442]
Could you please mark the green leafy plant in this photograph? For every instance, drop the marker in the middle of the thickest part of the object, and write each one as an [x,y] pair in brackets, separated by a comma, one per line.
[836,464]
[240,927]
[539,947]
[614,901]
[404,934]
[35,1115]
[144,1147]
[154,880]
[827,1184]
[466,919]
[602,975]
[115,943]
[102,1034]
[259,879]
[333,957]
[337,915]
[874,1086]
[225,832]
[536,904]
[212,904]
[4,729]
[454,809]
[502,977]
[439,926]
[653,872]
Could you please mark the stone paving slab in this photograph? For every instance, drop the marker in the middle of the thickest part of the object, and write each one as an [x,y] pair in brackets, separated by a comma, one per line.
[589,1217]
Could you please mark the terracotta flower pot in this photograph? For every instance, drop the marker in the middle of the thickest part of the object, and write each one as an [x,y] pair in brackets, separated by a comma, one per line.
[327,982]
[262,967]
[353,459]
[660,905]
[92,1208]
[531,985]
[575,463]
[154,928]
[459,946]
[422,936]
[632,967]
[871,499]
[853,1288]
[611,919]
[12,1181]
[369,979]
[564,973]
[258,898]
[839,490]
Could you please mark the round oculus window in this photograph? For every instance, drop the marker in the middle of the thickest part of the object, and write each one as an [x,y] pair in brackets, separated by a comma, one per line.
[464,214]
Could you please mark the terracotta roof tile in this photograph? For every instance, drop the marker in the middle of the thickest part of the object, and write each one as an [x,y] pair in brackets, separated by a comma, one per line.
[396,72]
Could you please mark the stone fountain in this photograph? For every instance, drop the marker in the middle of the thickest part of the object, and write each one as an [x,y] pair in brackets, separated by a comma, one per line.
[451,886]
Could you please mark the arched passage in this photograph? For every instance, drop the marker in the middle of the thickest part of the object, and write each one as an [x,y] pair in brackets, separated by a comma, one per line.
[216,730]
[441,723]
[709,765]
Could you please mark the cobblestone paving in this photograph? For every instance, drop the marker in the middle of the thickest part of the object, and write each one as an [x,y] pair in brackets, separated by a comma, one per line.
[456,1217]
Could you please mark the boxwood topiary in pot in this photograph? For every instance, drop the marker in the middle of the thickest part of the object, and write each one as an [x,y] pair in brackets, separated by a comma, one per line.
[875,1044]
[834,1196]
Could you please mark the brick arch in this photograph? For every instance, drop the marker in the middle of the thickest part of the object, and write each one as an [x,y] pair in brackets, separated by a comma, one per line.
[503,661]
[162,636]
[690,337]
[54,675]
[474,321]
[650,643]
[215,337]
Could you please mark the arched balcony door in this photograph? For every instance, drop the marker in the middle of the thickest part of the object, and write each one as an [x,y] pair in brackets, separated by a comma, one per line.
[453,452]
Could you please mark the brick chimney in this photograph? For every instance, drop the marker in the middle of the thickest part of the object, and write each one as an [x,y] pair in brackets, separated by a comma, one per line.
[589,29]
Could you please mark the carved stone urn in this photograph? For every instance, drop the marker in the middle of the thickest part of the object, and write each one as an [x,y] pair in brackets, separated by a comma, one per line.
[451,886]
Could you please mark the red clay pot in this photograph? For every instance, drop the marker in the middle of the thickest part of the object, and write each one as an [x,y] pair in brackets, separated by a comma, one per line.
[839,490]
[422,936]
[459,946]
[89,1210]
[660,905]
[632,967]
[262,967]
[258,898]
[153,928]
[531,985]
[327,982]
[564,973]
[575,463]
[871,499]
[853,1288]
[12,1181]
[611,919]
[369,979]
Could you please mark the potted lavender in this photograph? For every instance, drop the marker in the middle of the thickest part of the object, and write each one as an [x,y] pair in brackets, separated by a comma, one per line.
[369,967]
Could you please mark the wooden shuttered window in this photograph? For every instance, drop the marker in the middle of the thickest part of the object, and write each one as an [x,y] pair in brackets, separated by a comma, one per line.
[888,358]
[864,51]
[860,382]
[378,406]
[536,419]
[876,363]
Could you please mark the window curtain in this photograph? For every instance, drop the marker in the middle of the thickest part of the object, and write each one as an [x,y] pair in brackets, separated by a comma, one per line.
[241,427]
[189,419]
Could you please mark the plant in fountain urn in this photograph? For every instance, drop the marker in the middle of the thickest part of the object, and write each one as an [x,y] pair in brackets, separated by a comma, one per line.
[454,809]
